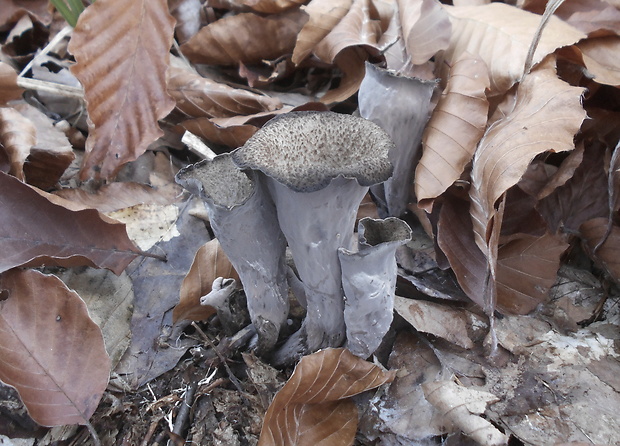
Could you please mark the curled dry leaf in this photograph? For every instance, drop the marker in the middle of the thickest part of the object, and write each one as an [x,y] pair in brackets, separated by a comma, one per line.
[501,35]
[272,6]
[18,135]
[422,27]
[122,52]
[313,407]
[324,15]
[456,125]
[594,232]
[52,352]
[546,115]
[462,407]
[600,56]
[8,84]
[209,263]
[245,37]
[34,231]
[198,97]
[232,136]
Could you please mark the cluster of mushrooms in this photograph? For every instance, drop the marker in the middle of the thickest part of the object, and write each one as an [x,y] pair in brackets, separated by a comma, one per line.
[298,182]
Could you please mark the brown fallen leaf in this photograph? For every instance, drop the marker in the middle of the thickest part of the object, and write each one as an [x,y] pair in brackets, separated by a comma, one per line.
[122,53]
[53,353]
[198,97]
[209,263]
[245,37]
[501,35]
[12,11]
[456,125]
[17,135]
[34,231]
[8,84]
[313,406]
[600,57]
[324,15]
[546,116]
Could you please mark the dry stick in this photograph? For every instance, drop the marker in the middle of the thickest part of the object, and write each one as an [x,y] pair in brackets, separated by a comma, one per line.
[552,6]
[186,406]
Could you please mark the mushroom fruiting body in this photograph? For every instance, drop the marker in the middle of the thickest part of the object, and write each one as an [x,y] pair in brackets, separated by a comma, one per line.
[244,220]
[401,105]
[369,280]
[317,167]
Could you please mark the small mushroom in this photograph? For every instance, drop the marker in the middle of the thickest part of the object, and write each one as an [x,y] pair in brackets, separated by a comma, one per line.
[369,280]
[317,167]
[244,220]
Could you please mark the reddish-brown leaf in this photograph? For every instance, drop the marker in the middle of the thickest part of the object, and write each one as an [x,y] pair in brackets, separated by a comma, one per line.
[209,263]
[526,269]
[122,52]
[34,231]
[271,6]
[246,38]
[52,352]
[608,254]
[198,97]
[8,84]
[312,407]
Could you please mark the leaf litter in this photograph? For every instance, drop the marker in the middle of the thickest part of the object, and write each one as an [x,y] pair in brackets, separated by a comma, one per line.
[512,194]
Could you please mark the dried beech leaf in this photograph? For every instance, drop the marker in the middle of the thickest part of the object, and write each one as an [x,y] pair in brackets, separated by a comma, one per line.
[462,406]
[246,38]
[52,352]
[501,35]
[546,115]
[209,263]
[526,269]
[324,15]
[13,10]
[271,6]
[351,63]
[300,414]
[455,238]
[34,231]
[231,136]
[360,26]
[18,135]
[122,52]
[590,16]
[198,97]
[593,232]
[439,320]
[456,125]
[423,28]
[8,84]
[600,57]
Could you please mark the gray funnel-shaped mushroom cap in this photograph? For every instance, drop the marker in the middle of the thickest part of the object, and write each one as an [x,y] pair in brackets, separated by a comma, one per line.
[401,105]
[369,280]
[244,221]
[317,167]
[306,150]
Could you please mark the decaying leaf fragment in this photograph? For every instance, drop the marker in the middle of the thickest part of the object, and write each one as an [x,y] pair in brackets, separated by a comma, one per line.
[313,406]
[209,263]
[8,84]
[52,352]
[595,232]
[122,52]
[462,407]
[17,135]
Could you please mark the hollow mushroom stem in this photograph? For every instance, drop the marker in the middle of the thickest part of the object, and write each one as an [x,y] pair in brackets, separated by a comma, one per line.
[244,221]
[323,221]
[369,279]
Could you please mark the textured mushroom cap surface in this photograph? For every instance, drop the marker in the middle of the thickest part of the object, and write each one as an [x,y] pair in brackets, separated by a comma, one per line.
[306,150]
[217,180]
